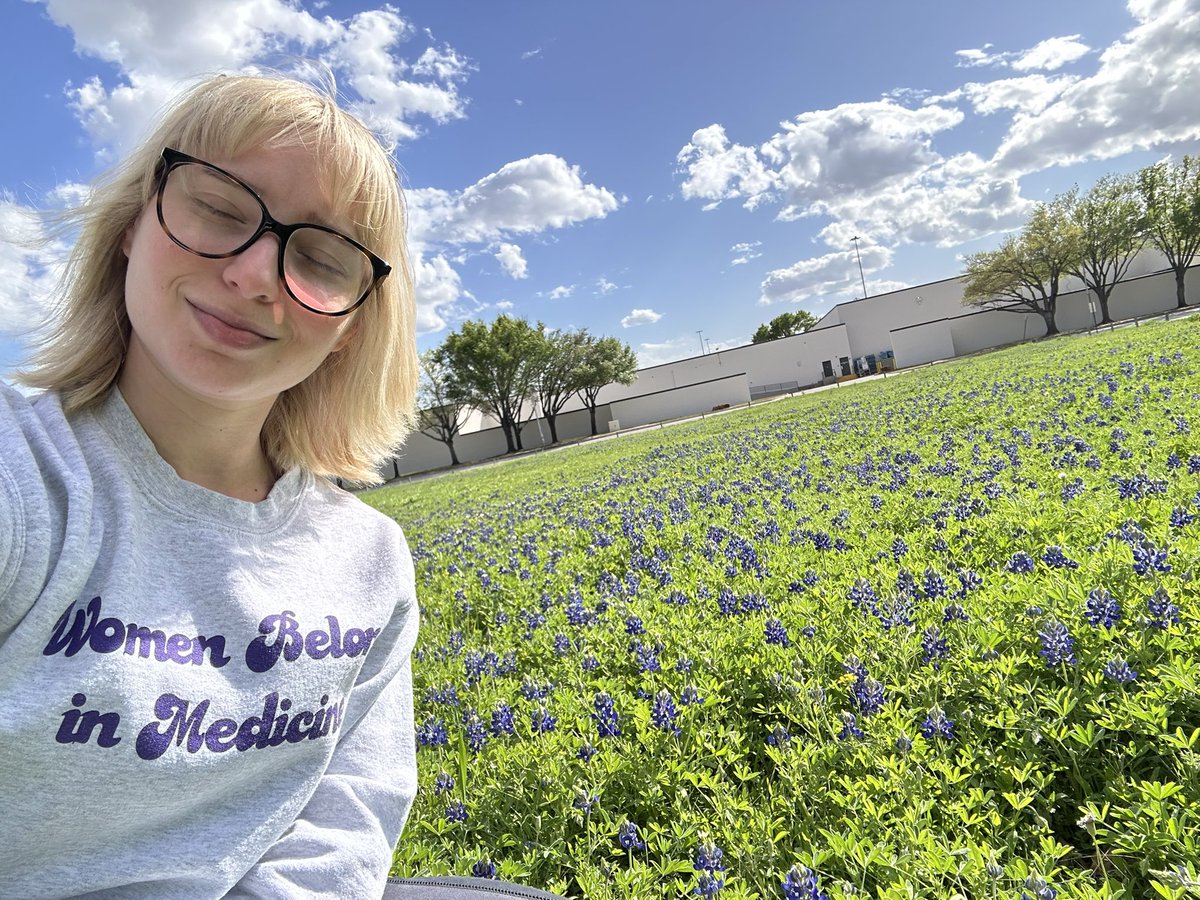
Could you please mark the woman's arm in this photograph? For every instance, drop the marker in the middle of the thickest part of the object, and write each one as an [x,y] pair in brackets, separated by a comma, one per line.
[341,844]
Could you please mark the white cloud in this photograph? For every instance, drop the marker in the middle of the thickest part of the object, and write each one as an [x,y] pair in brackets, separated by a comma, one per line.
[562,292]
[745,252]
[717,170]
[1142,96]
[512,261]
[438,289]
[640,317]
[505,305]
[604,286]
[30,266]
[978,56]
[833,273]
[530,54]
[655,354]
[525,196]
[1052,53]
[1030,93]
[156,48]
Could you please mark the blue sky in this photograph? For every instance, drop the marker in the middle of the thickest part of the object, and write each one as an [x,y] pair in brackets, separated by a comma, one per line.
[645,170]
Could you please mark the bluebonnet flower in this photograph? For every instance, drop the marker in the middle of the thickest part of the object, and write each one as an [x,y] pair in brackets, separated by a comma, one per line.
[899,548]
[532,690]
[776,633]
[1056,559]
[1147,557]
[779,736]
[708,885]
[808,631]
[862,595]
[1057,644]
[1102,611]
[586,752]
[970,580]
[801,883]
[1118,670]
[937,725]
[485,868]
[663,712]
[477,736]
[854,666]
[456,812]
[633,626]
[903,744]
[585,801]
[934,646]
[1021,563]
[683,665]
[443,784]
[541,721]
[562,644]
[850,727]
[954,613]
[868,695]
[589,663]
[727,602]
[432,733]
[605,716]
[708,858]
[690,696]
[647,657]
[1072,489]
[934,585]
[1041,890]
[1181,518]
[896,612]
[1163,613]
[628,838]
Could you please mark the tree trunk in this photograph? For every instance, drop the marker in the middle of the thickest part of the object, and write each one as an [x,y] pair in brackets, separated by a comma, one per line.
[516,427]
[453,455]
[508,438]
[592,410]
[1051,328]
[1102,295]
[553,431]
[1180,300]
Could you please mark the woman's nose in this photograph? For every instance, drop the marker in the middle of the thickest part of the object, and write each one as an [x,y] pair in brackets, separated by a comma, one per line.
[255,271]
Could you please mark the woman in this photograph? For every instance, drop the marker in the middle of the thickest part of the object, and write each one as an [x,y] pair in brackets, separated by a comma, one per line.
[204,645]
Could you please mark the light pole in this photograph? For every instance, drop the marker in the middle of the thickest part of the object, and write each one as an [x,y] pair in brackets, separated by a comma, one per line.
[700,334]
[860,268]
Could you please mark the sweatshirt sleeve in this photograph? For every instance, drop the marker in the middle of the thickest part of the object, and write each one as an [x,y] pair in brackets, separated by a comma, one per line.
[342,843]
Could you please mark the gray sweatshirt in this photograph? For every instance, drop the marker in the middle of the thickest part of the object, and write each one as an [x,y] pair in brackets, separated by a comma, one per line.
[199,696]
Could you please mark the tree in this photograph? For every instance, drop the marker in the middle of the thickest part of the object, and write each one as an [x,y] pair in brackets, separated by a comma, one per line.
[1024,272]
[604,361]
[1171,195]
[785,325]
[562,354]
[1107,222]
[441,403]
[495,368]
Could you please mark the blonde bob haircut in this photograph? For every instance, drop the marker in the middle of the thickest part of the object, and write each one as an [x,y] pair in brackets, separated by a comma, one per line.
[349,416]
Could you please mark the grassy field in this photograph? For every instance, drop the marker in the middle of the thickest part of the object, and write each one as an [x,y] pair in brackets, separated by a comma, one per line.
[931,636]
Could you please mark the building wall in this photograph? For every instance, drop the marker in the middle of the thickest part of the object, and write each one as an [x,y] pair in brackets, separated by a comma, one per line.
[679,402]
[924,343]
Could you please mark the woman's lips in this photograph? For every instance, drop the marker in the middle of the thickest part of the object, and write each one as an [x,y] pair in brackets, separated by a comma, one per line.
[228,333]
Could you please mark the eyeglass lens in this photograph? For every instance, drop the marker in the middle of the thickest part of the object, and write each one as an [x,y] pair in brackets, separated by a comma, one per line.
[210,214]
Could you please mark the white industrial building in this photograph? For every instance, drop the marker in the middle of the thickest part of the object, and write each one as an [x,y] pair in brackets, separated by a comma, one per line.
[899,329]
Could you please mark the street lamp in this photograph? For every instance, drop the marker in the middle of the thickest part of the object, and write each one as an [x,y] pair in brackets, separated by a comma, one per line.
[700,334]
[860,268]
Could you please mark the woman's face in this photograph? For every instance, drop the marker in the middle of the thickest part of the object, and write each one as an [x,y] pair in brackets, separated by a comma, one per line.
[225,331]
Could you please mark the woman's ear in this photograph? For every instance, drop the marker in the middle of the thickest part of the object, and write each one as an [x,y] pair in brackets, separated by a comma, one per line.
[346,336]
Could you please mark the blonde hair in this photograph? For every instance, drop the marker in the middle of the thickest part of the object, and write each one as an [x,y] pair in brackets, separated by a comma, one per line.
[348,416]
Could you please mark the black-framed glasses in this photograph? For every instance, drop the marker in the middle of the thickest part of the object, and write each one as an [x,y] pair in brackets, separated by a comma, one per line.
[211,213]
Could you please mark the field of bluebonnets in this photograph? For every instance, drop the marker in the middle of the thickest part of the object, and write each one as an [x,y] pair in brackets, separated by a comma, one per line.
[928,637]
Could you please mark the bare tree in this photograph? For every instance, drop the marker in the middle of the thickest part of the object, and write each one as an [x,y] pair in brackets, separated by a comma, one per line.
[1108,224]
[442,407]
[1171,195]
[1023,274]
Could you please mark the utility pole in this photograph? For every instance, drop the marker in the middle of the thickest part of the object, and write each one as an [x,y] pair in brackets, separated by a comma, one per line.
[860,268]
[700,334]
